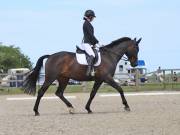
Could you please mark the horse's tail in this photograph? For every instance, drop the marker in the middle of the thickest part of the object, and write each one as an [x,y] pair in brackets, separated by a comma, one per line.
[29,84]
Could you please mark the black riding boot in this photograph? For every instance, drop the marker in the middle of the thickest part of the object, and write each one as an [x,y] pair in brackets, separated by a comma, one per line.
[90,65]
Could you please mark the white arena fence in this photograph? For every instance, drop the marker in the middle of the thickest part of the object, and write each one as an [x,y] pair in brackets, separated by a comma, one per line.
[163,77]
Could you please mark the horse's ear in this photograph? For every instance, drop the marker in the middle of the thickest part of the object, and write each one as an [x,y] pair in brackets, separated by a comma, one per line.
[135,39]
[138,41]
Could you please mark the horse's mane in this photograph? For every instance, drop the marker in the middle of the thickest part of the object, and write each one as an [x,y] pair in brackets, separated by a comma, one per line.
[118,41]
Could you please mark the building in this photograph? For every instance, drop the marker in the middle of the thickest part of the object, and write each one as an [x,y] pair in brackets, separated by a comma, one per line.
[14,78]
[125,73]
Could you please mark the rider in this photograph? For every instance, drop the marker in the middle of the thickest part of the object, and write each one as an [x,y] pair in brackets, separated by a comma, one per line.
[89,39]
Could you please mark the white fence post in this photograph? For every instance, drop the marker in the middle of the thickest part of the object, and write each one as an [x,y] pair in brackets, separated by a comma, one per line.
[137,79]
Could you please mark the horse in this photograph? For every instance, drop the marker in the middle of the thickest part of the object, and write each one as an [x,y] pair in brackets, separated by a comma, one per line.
[62,66]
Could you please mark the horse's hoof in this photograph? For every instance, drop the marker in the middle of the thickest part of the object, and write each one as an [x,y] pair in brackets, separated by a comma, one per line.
[127,109]
[71,110]
[37,114]
[90,112]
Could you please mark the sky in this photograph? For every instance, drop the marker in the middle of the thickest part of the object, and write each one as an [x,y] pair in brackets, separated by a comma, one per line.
[45,27]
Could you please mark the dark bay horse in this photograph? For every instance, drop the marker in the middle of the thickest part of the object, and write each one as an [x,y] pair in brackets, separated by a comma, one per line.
[63,66]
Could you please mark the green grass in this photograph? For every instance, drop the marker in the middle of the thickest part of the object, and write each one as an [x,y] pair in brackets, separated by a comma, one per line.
[7,91]
[105,88]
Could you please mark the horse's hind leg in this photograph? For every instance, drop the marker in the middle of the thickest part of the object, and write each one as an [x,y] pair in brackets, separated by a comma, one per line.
[41,92]
[60,93]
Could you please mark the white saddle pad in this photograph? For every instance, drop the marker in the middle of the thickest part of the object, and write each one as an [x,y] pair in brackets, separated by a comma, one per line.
[81,58]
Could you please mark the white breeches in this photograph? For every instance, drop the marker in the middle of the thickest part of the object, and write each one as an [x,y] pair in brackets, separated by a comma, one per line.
[88,49]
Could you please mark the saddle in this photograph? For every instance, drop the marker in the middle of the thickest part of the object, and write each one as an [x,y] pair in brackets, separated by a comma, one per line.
[81,55]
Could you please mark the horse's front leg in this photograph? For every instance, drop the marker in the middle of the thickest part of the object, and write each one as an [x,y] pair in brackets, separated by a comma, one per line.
[112,83]
[96,86]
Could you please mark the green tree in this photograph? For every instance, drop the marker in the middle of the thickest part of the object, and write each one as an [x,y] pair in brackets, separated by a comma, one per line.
[12,57]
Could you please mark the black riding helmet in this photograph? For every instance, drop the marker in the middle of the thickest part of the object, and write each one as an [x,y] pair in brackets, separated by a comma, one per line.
[89,13]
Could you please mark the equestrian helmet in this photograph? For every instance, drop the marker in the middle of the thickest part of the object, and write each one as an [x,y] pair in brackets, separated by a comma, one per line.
[89,13]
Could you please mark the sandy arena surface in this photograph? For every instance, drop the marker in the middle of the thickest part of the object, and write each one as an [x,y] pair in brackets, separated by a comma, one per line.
[150,115]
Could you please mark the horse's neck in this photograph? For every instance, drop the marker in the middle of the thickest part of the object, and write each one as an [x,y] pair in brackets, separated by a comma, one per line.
[118,51]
